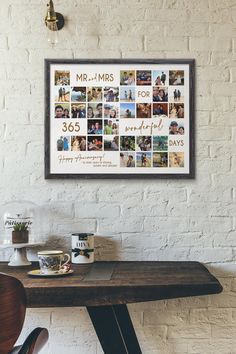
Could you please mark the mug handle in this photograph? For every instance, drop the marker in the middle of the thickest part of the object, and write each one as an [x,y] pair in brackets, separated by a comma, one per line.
[67,261]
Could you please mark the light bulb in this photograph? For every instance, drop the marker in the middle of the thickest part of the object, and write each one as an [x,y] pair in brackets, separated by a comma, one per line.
[52,33]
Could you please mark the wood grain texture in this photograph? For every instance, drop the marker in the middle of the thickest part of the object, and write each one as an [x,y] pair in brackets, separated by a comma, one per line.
[12,311]
[130,282]
[12,315]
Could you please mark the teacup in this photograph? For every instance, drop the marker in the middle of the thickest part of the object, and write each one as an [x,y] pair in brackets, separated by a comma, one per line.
[52,261]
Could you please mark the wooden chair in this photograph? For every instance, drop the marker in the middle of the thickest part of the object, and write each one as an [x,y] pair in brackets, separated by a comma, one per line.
[12,315]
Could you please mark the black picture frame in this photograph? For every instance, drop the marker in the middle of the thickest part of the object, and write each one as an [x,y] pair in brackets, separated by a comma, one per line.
[47,127]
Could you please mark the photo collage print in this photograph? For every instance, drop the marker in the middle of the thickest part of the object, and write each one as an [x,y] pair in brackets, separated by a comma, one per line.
[104,110]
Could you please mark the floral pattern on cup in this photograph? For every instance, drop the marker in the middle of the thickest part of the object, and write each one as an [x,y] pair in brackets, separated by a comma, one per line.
[52,261]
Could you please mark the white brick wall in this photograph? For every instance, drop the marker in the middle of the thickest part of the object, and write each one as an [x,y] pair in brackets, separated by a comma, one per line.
[181,220]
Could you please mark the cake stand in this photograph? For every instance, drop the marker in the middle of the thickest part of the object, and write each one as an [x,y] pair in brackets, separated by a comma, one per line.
[19,257]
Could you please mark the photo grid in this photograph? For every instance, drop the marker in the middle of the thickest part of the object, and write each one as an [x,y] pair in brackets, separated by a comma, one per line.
[103,108]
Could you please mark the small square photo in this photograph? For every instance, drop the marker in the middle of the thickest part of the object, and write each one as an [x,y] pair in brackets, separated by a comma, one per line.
[95,126]
[176,159]
[111,110]
[176,77]
[127,78]
[111,126]
[127,94]
[127,159]
[143,143]
[160,94]
[78,94]
[62,78]
[176,110]
[160,109]
[111,94]
[63,143]
[111,143]
[95,110]
[62,110]
[95,143]
[127,110]
[176,128]
[62,93]
[78,143]
[78,110]
[160,159]
[127,143]
[143,77]
[176,94]
[94,94]
[160,143]
[159,77]
[144,110]
[143,159]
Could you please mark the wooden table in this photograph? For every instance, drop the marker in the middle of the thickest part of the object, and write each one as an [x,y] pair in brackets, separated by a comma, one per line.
[105,288]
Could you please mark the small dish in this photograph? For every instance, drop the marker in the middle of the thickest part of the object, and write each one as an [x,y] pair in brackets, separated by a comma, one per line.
[37,273]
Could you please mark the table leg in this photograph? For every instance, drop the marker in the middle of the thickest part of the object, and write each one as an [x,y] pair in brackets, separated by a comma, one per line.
[114,329]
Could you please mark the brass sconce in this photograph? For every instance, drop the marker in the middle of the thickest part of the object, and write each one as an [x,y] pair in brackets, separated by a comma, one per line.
[54,22]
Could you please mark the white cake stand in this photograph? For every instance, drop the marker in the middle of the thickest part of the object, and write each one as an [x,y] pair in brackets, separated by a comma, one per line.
[19,257]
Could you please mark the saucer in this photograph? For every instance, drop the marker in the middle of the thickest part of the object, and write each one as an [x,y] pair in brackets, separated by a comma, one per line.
[37,273]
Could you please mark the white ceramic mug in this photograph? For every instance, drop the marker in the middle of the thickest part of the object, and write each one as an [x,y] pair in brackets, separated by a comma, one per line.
[52,261]
[82,248]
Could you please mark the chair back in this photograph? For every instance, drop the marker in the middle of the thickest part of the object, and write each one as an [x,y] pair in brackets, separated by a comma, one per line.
[12,311]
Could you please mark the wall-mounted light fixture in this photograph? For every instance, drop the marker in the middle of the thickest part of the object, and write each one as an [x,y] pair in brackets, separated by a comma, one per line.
[54,22]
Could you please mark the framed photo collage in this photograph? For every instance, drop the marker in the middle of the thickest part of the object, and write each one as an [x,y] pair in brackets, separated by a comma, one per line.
[119,118]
